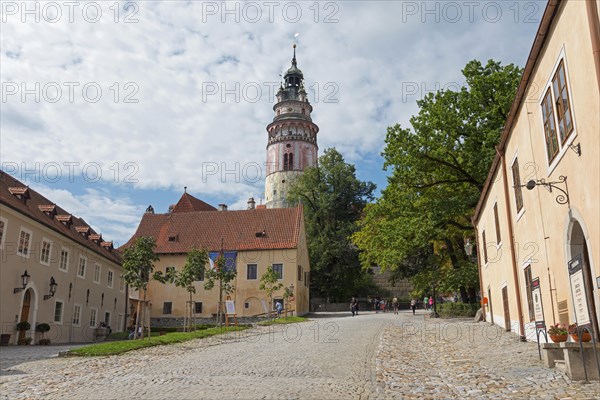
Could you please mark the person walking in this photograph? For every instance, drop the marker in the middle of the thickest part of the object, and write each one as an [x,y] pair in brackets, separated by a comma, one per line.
[413,305]
[353,306]
[431,299]
[395,304]
[426,303]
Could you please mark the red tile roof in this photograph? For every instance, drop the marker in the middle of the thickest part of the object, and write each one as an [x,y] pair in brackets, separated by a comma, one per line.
[188,203]
[33,206]
[237,229]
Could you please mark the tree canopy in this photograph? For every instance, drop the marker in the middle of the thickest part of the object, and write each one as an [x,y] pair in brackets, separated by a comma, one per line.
[438,169]
[333,200]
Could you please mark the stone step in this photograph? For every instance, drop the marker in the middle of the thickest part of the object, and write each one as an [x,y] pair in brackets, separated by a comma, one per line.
[560,365]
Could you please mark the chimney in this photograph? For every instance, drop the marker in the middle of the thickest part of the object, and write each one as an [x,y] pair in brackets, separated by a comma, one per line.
[222,207]
[251,203]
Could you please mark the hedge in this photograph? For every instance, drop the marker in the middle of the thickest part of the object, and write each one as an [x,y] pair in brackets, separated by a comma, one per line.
[453,310]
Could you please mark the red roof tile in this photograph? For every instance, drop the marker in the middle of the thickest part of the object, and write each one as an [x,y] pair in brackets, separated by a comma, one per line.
[237,229]
[32,208]
[188,203]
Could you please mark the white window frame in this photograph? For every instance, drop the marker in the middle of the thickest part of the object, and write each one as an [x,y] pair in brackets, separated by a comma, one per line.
[27,231]
[4,229]
[82,257]
[75,307]
[97,281]
[62,311]
[94,313]
[109,317]
[51,244]
[121,284]
[282,268]
[110,278]
[64,249]
[562,148]
[514,200]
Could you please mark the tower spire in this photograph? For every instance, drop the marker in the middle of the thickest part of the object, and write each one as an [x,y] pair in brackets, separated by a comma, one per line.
[294,58]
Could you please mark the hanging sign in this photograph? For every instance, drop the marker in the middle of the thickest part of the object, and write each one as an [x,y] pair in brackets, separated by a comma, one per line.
[582,314]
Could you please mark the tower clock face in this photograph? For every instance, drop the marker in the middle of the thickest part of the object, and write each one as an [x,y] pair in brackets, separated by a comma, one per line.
[290,109]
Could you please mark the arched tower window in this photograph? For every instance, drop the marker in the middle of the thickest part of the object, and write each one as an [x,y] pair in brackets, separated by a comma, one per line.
[285,162]
[291,162]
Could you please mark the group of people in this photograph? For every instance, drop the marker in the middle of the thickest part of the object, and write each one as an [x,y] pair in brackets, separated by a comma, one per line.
[383,305]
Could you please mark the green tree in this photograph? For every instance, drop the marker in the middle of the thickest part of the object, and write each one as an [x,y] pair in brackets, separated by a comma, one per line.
[138,265]
[333,200]
[193,268]
[438,172]
[269,284]
[223,276]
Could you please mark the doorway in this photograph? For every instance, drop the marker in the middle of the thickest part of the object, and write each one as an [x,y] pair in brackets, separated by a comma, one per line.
[506,309]
[578,246]
[25,312]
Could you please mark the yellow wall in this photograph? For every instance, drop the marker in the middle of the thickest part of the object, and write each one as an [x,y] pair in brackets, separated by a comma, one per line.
[42,311]
[246,291]
[543,227]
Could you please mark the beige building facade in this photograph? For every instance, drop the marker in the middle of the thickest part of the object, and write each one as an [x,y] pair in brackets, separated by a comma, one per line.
[529,234]
[40,244]
[251,241]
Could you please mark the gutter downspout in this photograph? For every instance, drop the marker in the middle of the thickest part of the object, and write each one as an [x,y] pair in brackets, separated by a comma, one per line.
[594,25]
[511,247]
[479,268]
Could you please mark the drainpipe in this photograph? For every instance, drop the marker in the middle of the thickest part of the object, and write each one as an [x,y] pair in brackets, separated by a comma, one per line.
[479,268]
[594,25]
[511,246]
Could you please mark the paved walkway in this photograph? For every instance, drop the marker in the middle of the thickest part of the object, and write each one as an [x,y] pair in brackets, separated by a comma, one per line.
[11,356]
[371,356]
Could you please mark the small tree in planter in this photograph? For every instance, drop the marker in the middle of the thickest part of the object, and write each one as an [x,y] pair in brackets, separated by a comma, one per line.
[23,327]
[268,283]
[43,328]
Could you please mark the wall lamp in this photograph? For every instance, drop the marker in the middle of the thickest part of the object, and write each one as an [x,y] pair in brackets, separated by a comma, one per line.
[53,286]
[468,247]
[24,281]
[561,198]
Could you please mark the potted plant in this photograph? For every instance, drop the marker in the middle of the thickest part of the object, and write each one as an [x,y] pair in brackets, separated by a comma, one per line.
[43,328]
[586,337]
[558,333]
[22,327]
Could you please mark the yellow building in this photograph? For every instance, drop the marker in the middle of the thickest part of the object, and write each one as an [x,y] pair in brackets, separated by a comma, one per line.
[251,239]
[54,269]
[551,140]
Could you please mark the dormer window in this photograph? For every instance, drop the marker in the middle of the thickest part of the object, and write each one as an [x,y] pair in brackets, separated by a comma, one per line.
[48,209]
[174,238]
[96,238]
[83,230]
[107,245]
[20,192]
[65,219]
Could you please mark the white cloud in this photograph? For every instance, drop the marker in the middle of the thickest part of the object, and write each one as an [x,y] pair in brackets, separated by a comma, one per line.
[371,56]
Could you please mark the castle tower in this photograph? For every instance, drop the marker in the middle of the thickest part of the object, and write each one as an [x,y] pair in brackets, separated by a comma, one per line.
[292,145]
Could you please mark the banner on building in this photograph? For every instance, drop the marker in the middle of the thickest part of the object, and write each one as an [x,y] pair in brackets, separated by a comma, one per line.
[230,259]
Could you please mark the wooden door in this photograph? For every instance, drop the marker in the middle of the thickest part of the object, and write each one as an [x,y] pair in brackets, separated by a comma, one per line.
[25,311]
[506,308]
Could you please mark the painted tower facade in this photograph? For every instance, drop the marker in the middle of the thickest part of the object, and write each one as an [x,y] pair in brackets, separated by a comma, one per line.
[292,144]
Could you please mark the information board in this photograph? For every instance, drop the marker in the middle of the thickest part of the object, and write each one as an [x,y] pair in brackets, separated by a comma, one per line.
[230,307]
[578,290]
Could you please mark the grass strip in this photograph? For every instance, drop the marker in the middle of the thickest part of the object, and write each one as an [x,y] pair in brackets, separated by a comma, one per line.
[285,320]
[120,347]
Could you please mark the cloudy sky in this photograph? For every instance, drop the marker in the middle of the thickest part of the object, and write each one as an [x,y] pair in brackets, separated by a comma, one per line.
[108,107]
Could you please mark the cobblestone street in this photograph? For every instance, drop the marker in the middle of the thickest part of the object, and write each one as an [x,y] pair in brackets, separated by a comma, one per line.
[333,356]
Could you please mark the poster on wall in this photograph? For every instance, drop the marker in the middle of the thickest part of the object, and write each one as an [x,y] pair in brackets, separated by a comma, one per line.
[578,290]
[538,309]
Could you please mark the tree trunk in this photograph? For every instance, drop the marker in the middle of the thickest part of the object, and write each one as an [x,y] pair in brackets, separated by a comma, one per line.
[137,319]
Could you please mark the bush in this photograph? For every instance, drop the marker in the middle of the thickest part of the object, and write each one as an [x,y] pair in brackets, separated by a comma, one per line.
[455,310]
[23,326]
[42,328]
[44,342]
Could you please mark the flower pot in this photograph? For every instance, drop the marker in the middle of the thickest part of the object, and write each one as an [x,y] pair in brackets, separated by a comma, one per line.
[585,338]
[4,339]
[559,338]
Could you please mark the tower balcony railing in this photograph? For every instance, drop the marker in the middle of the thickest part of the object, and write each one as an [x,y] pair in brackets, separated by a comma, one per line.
[283,138]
